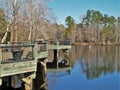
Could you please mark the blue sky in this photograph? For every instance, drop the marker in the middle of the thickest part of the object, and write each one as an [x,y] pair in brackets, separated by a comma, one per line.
[77,8]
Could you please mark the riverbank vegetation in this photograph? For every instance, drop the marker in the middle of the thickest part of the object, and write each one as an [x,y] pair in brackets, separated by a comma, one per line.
[28,20]
[99,28]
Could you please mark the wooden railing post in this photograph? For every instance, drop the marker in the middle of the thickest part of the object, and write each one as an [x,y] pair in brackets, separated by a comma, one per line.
[35,51]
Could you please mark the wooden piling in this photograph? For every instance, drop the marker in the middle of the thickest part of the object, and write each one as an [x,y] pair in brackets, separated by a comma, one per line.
[0,82]
[67,56]
[14,81]
[40,75]
[55,60]
[28,83]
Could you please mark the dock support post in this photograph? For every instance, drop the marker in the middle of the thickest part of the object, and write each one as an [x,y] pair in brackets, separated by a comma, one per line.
[28,83]
[14,81]
[56,58]
[40,80]
[0,81]
[44,71]
[67,56]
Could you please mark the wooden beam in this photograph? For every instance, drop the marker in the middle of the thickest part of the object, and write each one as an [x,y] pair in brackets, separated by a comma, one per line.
[0,81]
[56,57]
[49,47]
[18,68]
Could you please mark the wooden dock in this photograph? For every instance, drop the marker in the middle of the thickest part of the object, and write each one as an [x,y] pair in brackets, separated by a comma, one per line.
[21,61]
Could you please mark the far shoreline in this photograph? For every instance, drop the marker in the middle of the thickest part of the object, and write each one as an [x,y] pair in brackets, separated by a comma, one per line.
[94,44]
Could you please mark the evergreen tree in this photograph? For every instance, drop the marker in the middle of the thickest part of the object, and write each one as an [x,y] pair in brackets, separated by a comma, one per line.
[70,27]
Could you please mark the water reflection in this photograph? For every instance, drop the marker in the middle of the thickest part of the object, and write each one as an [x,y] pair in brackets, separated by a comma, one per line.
[93,68]
[98,60]
[55,75]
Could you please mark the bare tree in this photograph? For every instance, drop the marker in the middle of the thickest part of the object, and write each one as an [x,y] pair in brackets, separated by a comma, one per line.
[5,35]
[38,17]
[11,9]
[32,16]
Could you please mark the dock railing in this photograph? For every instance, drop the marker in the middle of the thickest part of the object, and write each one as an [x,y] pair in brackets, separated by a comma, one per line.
[17,59]
[42,47]
[59,42]
[16,53]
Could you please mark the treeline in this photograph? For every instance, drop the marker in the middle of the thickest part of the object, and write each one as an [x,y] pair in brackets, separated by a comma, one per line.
[101,27]
[95,27]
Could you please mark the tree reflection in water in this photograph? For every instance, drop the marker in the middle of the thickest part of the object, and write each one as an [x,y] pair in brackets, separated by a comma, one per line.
[98,60]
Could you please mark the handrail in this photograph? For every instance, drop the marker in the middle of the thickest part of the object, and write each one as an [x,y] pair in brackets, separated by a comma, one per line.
[11,46]
[17,52]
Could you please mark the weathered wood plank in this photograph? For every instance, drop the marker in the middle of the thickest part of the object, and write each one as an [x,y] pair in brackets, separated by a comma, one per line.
[58,47]
[10,46]
[18,68]
[42,55]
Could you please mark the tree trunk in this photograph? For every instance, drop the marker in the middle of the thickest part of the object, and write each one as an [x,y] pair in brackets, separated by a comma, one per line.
[12,33]
[97,34]
[15,13]
[16,34]
[30,34]
[73,37]
[5,35]
[118,33]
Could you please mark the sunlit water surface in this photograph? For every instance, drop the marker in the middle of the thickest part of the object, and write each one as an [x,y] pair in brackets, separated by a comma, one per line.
[93,68]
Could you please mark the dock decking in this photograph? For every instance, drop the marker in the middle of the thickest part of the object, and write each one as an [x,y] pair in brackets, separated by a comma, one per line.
[23,59]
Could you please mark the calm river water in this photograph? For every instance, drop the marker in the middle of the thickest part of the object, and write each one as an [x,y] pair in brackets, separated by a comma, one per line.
[93,68]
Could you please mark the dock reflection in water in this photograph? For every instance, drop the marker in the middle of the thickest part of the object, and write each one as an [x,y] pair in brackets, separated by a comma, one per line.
[95,68]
